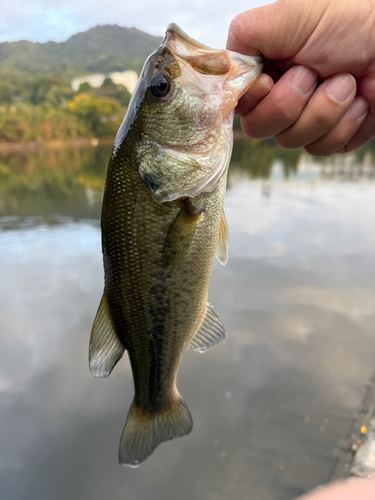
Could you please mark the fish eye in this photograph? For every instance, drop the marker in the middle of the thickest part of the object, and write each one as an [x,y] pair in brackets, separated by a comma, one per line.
[160,86]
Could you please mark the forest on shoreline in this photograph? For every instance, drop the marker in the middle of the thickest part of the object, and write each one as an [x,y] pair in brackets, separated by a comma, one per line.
[37,102]
[50,110]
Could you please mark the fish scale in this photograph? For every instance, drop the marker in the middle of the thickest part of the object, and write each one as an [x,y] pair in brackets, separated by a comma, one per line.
[162,225]
[136,271]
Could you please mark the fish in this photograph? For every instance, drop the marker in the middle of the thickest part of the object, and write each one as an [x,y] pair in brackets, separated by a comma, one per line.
[162,224]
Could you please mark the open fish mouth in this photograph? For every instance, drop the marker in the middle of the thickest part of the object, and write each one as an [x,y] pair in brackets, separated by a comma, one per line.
[185,46]
[240,70]
[184,102]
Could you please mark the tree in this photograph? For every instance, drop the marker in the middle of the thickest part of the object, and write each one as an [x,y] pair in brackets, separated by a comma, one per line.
[102,113]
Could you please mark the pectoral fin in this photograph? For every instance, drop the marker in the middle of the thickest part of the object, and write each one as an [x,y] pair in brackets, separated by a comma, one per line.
[222,252]
[106,349]
[181,234]
[210,332]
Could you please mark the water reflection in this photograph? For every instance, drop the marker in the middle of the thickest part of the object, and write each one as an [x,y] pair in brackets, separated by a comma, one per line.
[259,158]
[269,405]
[69,182]
[62,181]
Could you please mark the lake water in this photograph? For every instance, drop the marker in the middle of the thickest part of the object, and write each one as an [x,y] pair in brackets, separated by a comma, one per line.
[270,405]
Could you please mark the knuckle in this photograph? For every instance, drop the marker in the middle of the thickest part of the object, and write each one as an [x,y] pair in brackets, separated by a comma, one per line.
[287,141]
[322,120]
[253,129]
[238,29]
[368,127]
[318,150]
[366,88]
[236,25]
[284,114]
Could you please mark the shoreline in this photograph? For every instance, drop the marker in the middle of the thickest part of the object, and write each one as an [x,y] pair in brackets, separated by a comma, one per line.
[81,142]
[31,146]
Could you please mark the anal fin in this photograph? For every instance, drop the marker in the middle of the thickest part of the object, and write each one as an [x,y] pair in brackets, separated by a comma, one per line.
[106,349]
[222,252]
[210,332]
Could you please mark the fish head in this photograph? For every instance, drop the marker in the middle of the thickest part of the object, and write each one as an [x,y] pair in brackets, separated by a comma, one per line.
[182,115]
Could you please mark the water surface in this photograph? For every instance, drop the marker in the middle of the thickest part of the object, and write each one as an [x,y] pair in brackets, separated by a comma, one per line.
[270,405]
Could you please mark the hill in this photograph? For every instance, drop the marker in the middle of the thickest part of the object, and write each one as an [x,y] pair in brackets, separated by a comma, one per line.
[100,49]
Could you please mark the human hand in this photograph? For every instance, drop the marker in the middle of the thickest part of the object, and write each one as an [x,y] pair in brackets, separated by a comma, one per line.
[354,489]
[330,41]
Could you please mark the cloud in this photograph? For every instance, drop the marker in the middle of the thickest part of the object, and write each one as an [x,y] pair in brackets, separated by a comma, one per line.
[44,20]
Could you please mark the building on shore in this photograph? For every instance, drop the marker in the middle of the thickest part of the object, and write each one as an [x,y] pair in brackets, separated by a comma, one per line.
[126,78]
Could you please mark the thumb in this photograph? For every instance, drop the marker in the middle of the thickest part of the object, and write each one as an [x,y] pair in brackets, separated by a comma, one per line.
[276,31]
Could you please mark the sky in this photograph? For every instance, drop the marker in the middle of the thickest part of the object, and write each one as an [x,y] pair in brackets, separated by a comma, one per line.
[43,20]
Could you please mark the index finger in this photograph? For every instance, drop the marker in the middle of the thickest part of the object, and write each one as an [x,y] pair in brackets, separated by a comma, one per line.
[260,88]
[238,38]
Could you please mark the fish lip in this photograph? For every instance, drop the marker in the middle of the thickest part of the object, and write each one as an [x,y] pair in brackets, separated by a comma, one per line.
[195,53]
[174,28]
[252,61]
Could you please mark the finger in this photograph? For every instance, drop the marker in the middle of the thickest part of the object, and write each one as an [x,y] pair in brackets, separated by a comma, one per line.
[366,88]
[336,138]
[272,31]
[323,111]
[283,105]
[363,135]
[362,489]
[257,92]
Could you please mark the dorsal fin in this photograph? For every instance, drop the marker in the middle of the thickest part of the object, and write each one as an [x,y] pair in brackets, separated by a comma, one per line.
[210,332]
[105,346]
[222,252]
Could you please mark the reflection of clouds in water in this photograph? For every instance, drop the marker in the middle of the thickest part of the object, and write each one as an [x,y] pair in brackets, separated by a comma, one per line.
[300,221]
[40,243]
[354,303]
[5,383]
[250,213]
[46,290]
[295,327]
[300,339]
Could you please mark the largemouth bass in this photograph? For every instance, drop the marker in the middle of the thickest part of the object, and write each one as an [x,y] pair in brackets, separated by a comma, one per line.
[162,225]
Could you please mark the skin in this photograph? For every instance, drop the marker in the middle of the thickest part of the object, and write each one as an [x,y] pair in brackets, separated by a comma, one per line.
[358,489]
[318,86]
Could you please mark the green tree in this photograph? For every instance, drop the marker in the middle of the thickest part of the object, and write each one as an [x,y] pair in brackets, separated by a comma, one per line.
[103,114]
[54,90]
[7,91]
[85,87]
[114,91]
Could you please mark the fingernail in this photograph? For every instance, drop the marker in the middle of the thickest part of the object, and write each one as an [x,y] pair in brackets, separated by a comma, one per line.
[264,80]
[340,87]
[303,79]
[358,108]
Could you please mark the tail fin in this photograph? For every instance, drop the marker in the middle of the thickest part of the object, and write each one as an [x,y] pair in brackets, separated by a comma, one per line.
[143,433]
